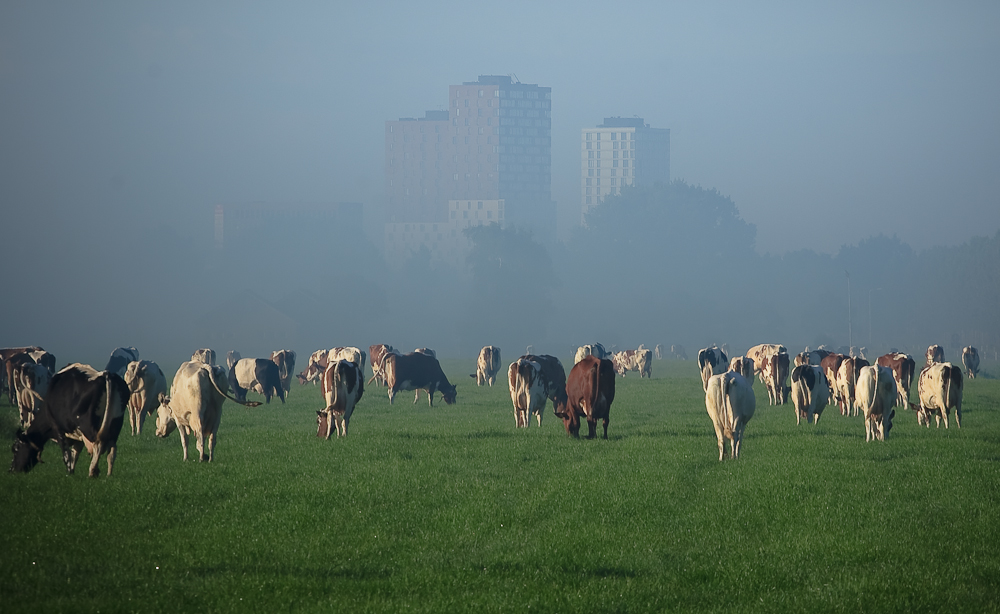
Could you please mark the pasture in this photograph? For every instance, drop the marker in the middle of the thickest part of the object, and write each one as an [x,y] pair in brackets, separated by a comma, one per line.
[450,509]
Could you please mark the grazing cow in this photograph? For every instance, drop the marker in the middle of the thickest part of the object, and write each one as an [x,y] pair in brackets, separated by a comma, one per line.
[847,381]
[970,358]
[377,353]
[640,360]
[903,367]
[343,386]
[316,366]
[31,384]
[232,357]
[120,358]
[195,406]
[487,365]
[876,394]
[730,402]
[711,361]
[285,359]
[678,352]
[417,371]
[593,349]
[205,355]
[145,382]
[743,366]
[527,391]
[935,353]
[83,408]
[432,354]
[553,377]
[939,388]
[590,390]
[257,374]
[810,393]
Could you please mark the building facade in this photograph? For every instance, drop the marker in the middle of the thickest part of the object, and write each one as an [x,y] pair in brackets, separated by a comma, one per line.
[493,143]
[621,152]
[445,240]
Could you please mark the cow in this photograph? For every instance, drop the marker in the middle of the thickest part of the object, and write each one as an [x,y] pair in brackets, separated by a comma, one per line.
[847,381]
[316,366]
[432,354]
[205,355]
[771,364]
[813,357]
[876,394]
[194,406]
[831,367]
[903,367]
[487,365]
[232,357]
[145,381]
[527,391]
[257,374]
[658,352]
[730,402]
[31,384]
[711,361]
[417,371]
[553,378]
[377,354]
[343,385]
[743,366]
[5,355]
[45,359]
[120,358]
[640,360]
[939,389]
[285,359]
[934,353]
[678,352]
[590,391]
[83,407]
[970,358]
[593,349]
[12,367]
[810,393]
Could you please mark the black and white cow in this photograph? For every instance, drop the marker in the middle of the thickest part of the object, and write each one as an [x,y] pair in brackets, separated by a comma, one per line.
[82,408]
[711,361]
[343,386]
[257,374]
[119,360]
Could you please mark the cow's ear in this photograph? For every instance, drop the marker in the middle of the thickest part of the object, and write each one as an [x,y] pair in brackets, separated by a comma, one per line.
[163,398]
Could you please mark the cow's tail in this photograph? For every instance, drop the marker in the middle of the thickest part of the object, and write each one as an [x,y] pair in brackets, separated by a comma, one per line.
[727,407]
[211,377]
[106,420]
[334,389]
[870,401]
[947,390]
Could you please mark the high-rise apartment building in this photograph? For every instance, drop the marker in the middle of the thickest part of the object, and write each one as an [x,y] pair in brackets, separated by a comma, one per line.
[621,152]
[493,143]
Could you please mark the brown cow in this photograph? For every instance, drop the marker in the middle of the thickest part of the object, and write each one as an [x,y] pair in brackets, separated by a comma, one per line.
[590,391]
[903,367]
[377,353]
[831,366]
[847,381]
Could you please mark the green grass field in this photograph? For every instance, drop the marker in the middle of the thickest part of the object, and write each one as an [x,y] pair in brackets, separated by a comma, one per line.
[451,509]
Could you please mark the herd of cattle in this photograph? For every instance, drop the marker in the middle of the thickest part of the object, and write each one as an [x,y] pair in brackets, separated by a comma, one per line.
[80,407]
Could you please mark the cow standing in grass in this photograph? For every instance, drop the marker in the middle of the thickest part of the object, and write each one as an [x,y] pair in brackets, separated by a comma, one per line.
[940,389]
[810,393]
[970,358]
[876,394]
[730,402]
[343,385]
[146,383]
[590,390]
[487,365]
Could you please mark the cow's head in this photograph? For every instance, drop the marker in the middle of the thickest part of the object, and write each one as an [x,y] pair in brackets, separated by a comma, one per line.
[26,454]
[449,394]
[165,423]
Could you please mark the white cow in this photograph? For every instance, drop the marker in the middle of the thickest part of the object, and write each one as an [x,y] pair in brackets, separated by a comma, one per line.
[145,383]
[343,385]
[487,365]
[810,393]
[205,355]
[527,390]
[875,395]
[940,388]
[232,357]
[730,403]
[194,406]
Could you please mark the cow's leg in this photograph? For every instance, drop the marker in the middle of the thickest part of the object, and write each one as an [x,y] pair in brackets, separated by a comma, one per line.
[112,455]
[539,413]
[184,441]
[416,396]
[721,440]
[591,427]
[95,459]
[958,413]
[199,443]
[212,438]
[430,395]
[606,420]
[71,450]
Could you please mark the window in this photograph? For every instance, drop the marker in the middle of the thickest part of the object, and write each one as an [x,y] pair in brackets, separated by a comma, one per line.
[480,93]
[598,155]
[466,140]
[589,134]
[614,164]
[466,121]
[480,131]
[456,176]
[598,181]
[480,112]
[590,145]
[466,102]
[613,182]
[614,135]
[598,144]
[480,204]
[590,155]
[624,163]
[589,181]
[390,128]
[615,156]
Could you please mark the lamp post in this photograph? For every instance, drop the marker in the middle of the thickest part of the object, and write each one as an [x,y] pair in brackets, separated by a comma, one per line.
[850,332]
[870,314]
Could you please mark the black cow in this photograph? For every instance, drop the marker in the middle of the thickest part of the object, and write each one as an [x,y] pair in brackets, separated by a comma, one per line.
[417,371]
[83,407]
[120,358]
[257,374]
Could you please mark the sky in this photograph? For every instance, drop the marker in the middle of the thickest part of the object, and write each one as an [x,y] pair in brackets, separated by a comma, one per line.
[825,122]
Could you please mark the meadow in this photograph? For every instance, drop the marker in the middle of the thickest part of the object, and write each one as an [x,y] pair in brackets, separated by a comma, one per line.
[450,509]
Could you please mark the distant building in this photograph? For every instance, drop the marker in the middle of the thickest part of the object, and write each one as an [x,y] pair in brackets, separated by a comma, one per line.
[621,152]
[494,143]
[445,240]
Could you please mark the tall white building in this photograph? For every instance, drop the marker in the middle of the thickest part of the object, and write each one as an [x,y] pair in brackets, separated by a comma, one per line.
[621,152]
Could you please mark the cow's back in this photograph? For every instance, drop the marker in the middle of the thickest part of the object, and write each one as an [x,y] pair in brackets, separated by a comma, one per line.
[194,400]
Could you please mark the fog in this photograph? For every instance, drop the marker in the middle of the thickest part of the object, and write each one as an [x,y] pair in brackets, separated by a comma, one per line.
[823,141]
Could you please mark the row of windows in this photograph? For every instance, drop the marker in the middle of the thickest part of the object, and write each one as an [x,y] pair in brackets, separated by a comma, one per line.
[624,136]
[630,145]
[458,112]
